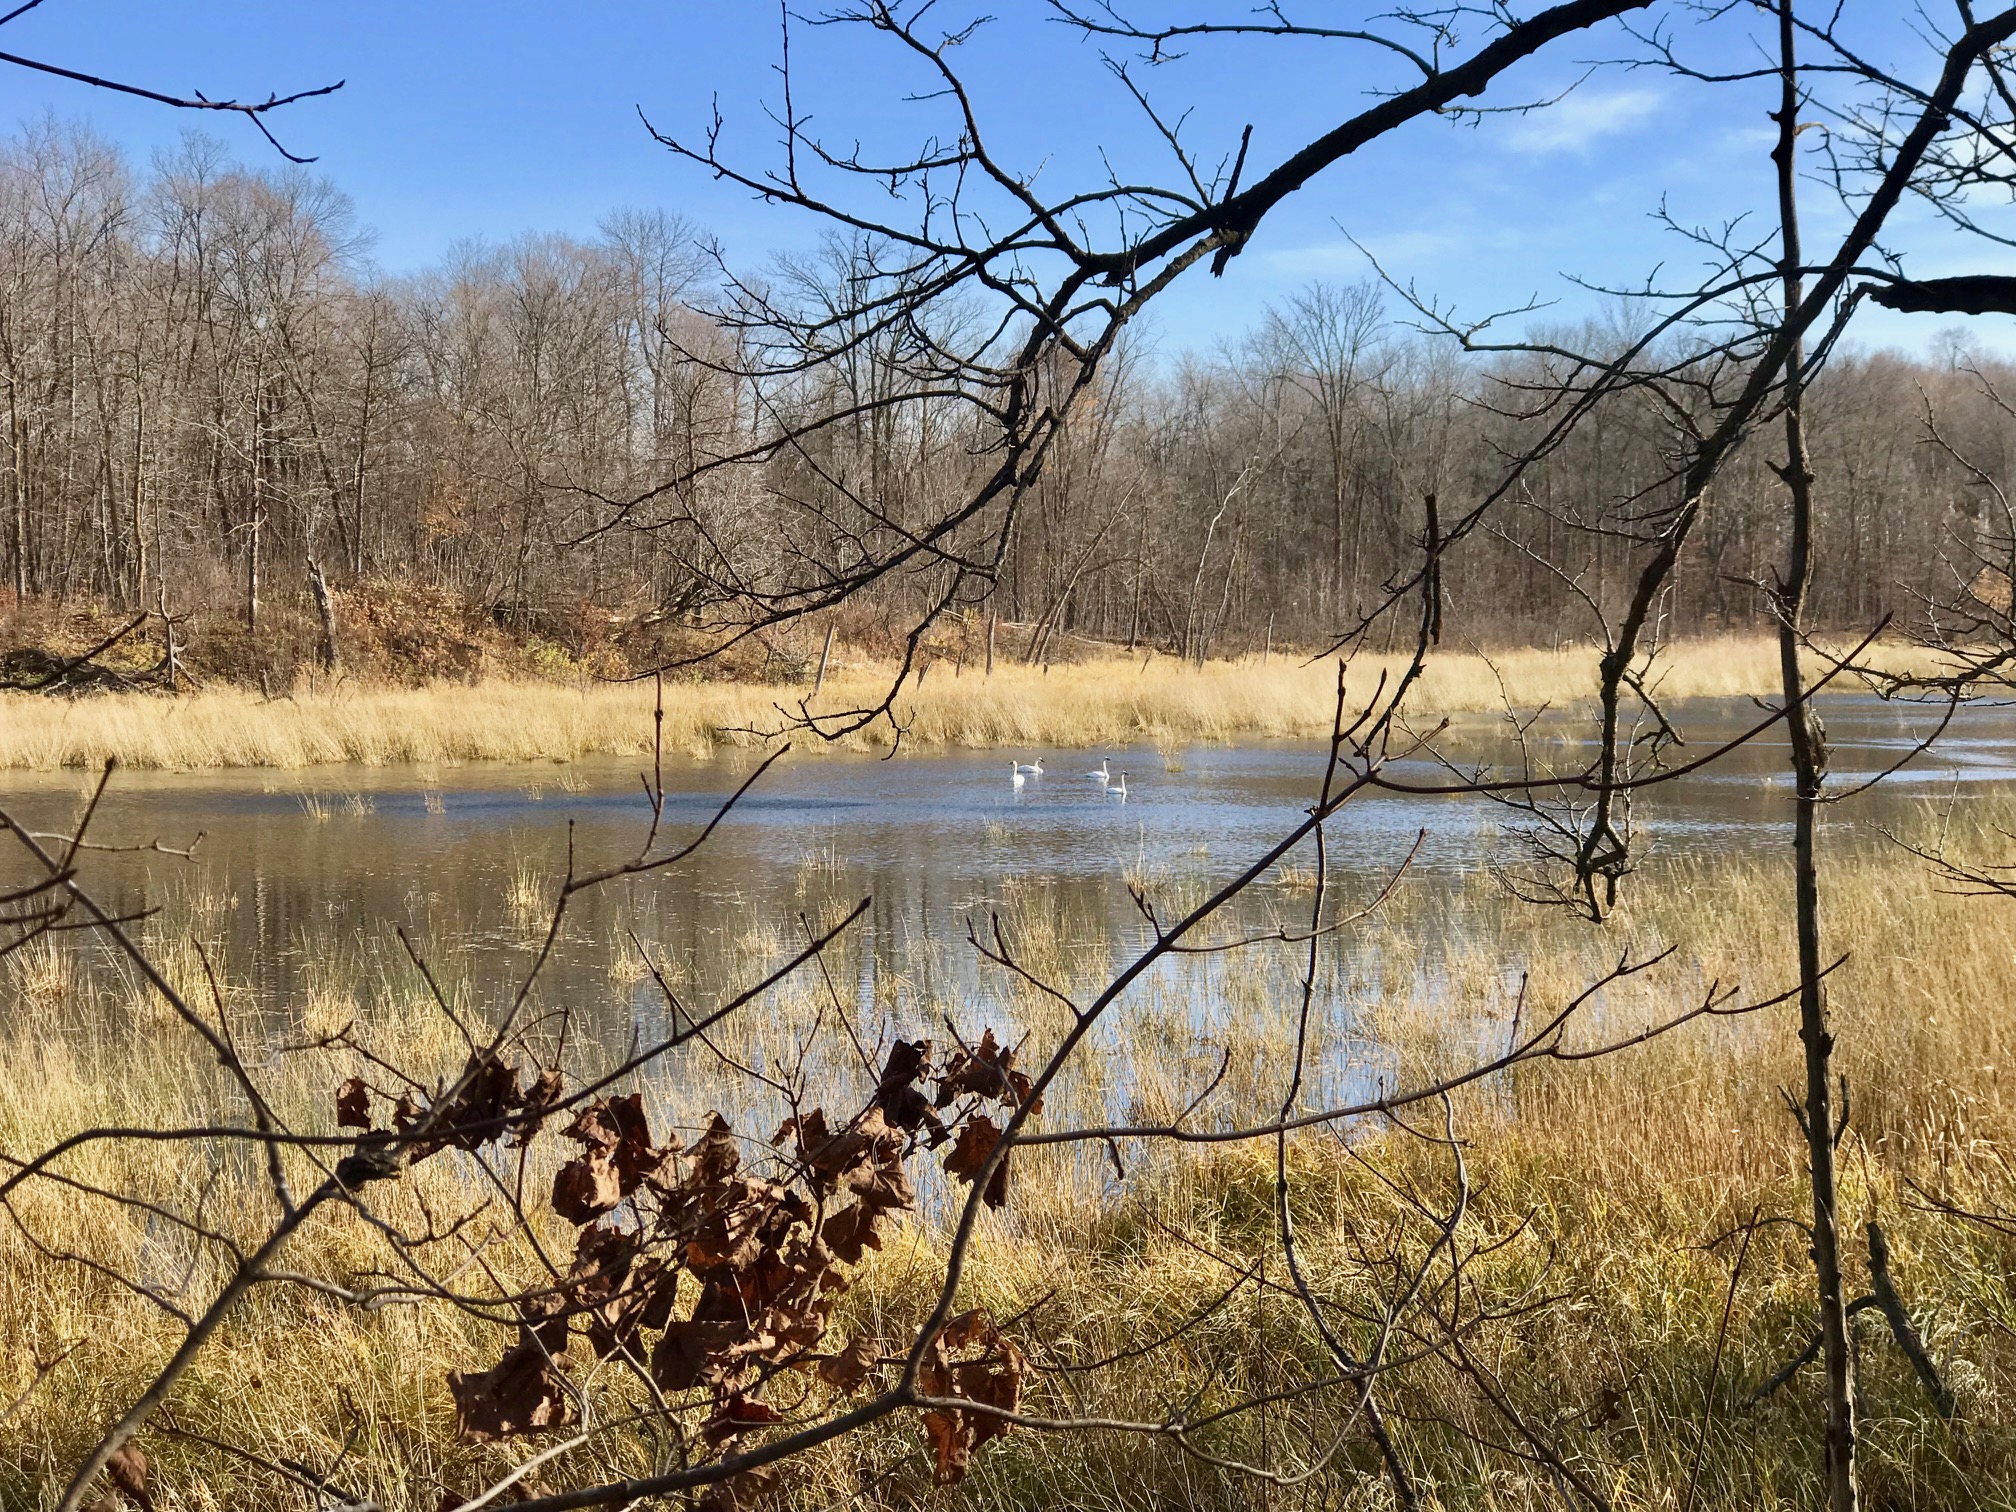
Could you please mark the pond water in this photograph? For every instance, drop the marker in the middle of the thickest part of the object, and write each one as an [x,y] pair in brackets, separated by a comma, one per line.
[301,874]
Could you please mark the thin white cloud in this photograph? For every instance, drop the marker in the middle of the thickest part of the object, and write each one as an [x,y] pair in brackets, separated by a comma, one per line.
[1576,123]
[1342,259]
[1746,139]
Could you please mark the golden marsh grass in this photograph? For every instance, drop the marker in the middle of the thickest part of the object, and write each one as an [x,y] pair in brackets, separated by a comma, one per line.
[1102,703]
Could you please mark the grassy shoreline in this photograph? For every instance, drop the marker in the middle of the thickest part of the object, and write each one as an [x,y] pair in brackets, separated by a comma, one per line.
[1118,701]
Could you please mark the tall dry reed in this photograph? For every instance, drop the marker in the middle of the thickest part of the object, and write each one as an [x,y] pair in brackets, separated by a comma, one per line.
[1113,702]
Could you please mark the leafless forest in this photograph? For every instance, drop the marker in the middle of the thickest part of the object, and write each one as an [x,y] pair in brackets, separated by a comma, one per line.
[207,386]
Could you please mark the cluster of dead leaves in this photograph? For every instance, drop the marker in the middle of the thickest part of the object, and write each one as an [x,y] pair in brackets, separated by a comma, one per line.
[969,1358]
[715,1280]
[481,1104]
[986,1072]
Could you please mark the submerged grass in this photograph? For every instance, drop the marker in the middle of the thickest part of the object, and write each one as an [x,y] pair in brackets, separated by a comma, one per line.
[1112,702]
[1600,1188]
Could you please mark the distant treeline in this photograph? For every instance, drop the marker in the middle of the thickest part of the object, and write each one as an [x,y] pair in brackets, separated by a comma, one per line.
[207,385]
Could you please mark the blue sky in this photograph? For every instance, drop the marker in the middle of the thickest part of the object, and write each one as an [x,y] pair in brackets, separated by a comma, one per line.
[461,119]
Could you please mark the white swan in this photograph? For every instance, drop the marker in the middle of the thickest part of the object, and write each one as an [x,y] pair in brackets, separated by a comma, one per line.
[1119,787]
[1033,768]
[1105,777]
[1015,773]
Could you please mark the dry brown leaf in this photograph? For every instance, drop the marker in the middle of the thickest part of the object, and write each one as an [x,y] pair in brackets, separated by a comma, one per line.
[898,1096]
[617,1319]
[951,1438]
[686,1352]
[908,1061]
[974,1326]
[617,1126]
[407,1113]
[995,1380]
[543,1319]
[740,1493]
[714,1155]
[880,1179]
[522,1393]
[732,1236]
[767,1268]
[977,1139]
[798,1328]
[585,1189]
[735,1417]
[852,1230]
[987,1071]
[594,1127]
[828,1155]
[353,1104]
[604,1253]
[1606,1409]
[489,1091]
[128,1469]
[849,1370]
[542,1094]
[487,1095]
[992,1378]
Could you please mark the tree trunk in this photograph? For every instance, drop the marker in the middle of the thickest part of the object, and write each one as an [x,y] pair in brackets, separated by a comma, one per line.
[252,572]
[1809,770]
[168,660]
[825,655]
[332,660]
